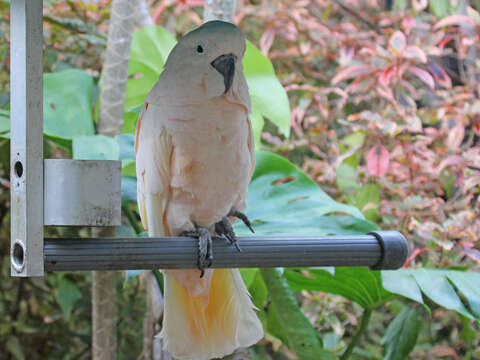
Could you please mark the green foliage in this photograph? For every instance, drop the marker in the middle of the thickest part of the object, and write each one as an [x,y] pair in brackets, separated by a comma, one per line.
[401,334]
[282,199]
[300,333]
[358,284]
[437,285]
[67,104]
[148,53]
[95,147]
[269,99]
[67,295]
[4,121]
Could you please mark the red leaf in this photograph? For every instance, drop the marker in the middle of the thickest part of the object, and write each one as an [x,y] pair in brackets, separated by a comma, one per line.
[352,71]
[476,127]
[423,75]
[377,160]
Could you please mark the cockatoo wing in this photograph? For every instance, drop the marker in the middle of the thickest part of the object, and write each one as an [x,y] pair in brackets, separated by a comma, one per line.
[154,164]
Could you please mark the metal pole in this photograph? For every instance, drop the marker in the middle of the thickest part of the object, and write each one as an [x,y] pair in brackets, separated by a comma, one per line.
[26,138]
[378,250]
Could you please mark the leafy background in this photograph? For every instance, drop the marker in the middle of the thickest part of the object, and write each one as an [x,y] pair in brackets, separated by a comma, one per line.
[378,107]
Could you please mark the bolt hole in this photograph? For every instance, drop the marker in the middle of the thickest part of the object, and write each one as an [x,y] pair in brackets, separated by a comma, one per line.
[18,169]
[18,256]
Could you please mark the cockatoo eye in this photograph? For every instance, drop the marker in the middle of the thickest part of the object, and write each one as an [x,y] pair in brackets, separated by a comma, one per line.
[200,49]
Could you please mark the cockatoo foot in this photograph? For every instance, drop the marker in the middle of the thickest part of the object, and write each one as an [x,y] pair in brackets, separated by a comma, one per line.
[243,217]
[205,255]
[224,228]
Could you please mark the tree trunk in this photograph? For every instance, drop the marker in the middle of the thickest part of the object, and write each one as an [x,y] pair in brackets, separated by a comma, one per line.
[219,10]
[114,79]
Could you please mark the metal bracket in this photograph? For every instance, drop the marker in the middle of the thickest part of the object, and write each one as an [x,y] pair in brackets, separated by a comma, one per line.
[52,191]
[26,144]
[82,192]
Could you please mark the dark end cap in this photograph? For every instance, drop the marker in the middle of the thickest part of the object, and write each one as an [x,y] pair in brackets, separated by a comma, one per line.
[394,249]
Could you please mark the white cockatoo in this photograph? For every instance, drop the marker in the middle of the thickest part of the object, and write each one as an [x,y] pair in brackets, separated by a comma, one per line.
[195,157]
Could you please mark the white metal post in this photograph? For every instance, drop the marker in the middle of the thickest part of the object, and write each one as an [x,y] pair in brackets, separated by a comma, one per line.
[26,138]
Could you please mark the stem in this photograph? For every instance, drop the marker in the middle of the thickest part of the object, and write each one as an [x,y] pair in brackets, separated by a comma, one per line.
[367,314]
[132,219]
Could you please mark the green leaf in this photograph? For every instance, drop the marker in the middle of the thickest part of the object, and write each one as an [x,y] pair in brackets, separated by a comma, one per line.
[95,147]
[367,200]
[67,104]
[401,335]
[248,275]
[257,126]
[129,122]
[14,347]
[402,284]
[274,324]
[268,96]
[437,285]
[347,177]
[149,49]
[258,291]
[129,168]
[301,335]
[4,121]
[129,189]
[358,284]
[284,200]
[126,144]
[67,295]
[355,139]
[442,8]
[148,53]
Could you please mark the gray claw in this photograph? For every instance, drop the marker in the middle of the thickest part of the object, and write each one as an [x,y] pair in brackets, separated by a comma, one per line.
[205,256]
[225,229]
[243,217]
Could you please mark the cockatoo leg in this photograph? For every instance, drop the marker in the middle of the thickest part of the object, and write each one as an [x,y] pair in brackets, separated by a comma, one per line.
[243,217]
[224,228]
[205,255]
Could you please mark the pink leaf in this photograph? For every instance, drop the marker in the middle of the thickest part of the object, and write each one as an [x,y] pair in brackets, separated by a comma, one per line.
[408,23]
[455,136]
[353,71]
[397,42]
[423,75]
[472,254]
[474,14]
[415,53]
[454,20]
[377,161]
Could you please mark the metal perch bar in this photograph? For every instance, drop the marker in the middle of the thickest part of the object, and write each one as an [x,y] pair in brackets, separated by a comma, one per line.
[377,250]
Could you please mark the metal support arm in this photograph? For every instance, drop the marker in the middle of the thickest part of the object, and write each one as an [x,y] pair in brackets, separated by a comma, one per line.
[377,250]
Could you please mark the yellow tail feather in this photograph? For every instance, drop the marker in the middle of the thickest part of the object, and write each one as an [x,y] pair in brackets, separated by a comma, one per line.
[209,325]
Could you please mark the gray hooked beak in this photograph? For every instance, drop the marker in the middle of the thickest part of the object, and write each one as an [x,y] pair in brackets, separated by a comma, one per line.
[225,65]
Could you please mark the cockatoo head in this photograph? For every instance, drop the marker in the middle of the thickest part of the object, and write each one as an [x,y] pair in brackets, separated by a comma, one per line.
[206,63]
